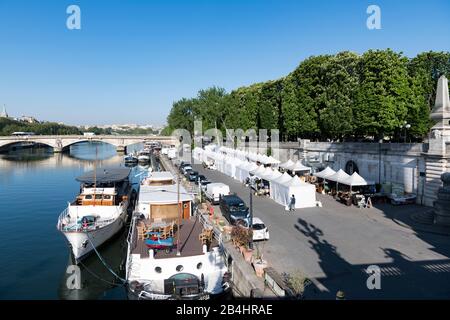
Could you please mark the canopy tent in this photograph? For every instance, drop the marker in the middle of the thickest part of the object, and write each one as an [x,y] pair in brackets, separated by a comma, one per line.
[230,166]
[272,160]
[276,186]
[339,176]
[299,167]
[325,173]
[287,164]
[266,174]
[304,193]
[104,175]
[244,170]
[356,180]
[252,156]
[258,171]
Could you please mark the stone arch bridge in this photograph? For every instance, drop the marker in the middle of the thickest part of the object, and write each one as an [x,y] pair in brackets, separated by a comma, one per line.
[61,143]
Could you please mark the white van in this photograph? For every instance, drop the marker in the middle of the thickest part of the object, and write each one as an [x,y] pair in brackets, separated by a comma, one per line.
[215,190]
[172,153]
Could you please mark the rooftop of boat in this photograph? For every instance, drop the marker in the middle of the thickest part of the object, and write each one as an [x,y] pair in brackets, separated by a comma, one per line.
[190,244]
[104,175]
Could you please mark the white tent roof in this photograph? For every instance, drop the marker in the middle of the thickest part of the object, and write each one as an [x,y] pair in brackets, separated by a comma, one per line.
[274,175]
[339,176]
[294,182]
[285,177]
[272,160]
[251,166]
[287,164]
[258,171]
[267,173]
[325,173]
[356,180]
[298,166]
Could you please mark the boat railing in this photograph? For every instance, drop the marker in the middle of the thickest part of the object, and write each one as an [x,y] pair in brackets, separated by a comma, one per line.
[130,238]
[217,234]
[68,223]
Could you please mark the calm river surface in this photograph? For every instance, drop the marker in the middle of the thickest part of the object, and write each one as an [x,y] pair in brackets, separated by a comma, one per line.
[35,186]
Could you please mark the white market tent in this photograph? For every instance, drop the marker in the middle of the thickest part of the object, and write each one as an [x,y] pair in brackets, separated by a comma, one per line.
[230,165]
[298,167]
[356,180]
[325,173]
[272,160]
[258,171]
[287,164]
[276,186]
[304,193]
[339,176]
[266,174]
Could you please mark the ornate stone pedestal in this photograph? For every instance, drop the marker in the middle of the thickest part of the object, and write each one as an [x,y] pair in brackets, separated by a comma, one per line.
[442,204]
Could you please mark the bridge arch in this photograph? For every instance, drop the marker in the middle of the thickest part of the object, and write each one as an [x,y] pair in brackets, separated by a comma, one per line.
[6,143]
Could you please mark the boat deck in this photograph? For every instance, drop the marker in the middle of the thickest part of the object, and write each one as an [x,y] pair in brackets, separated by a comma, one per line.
[190,244]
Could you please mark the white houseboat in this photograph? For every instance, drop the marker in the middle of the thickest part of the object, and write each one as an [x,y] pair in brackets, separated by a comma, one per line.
[172,254]
[98,212]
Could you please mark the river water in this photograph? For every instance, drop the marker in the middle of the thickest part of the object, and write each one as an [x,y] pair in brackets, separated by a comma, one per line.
[35,186]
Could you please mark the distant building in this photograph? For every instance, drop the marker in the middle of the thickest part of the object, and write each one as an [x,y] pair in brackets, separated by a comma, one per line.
[4,114]
[28,119]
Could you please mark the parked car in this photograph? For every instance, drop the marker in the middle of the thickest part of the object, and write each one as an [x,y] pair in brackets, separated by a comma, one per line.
[185,169]
[215,190]
[260,231]
[192,176]
[204,184]
[234,210]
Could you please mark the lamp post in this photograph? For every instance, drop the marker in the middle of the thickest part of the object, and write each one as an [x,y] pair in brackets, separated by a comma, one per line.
[250,244]
[406,126]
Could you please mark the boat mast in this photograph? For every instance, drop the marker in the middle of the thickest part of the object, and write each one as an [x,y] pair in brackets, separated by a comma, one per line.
[179,214]
[95,173]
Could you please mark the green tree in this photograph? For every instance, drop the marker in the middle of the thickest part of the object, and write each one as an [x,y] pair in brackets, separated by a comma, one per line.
[381,103]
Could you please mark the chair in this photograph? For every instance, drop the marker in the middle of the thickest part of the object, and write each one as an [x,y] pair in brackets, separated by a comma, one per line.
[206,235]
[141,230]
[165,233]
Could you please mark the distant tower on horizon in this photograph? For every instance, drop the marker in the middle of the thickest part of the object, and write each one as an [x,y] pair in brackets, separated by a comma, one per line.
[4,114]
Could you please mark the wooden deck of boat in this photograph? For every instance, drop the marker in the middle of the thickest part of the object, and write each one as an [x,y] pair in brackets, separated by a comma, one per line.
[190,244]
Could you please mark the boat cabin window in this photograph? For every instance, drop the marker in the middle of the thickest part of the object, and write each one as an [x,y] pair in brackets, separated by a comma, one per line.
[88,197]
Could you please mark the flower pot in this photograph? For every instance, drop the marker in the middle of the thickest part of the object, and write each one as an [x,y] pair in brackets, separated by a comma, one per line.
[259,266]
[248,255]
[227,229]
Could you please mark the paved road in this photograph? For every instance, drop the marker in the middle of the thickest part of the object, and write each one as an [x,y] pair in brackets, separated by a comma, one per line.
[335,244]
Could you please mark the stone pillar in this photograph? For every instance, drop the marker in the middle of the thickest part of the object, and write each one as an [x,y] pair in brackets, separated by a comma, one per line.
[437,157]
[57,150]
[442,204]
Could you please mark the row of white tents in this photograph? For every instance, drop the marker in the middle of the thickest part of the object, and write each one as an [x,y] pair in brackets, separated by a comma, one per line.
[341,177]
[282,185]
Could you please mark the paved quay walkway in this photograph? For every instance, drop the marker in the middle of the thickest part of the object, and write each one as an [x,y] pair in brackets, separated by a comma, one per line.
[335,244]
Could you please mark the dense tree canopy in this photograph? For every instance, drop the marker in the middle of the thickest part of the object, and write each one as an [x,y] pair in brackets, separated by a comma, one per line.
[8,126]
[342,96]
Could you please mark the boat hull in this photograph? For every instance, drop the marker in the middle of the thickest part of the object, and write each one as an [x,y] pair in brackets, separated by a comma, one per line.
[82,243]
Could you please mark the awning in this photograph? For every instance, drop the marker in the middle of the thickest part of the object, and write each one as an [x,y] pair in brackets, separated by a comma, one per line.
[298,166]
[287,164]
[339,176]
[325,173]
[104,175]
[356,180]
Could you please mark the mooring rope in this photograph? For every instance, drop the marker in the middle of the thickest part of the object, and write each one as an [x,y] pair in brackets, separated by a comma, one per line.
[104,262]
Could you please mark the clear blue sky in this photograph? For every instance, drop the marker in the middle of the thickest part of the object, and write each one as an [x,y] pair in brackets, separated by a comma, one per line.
[132,59]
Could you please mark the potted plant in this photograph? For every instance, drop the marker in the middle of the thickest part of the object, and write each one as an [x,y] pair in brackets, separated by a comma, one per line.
[297,283]
[259,263]
[241,237]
